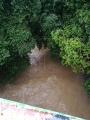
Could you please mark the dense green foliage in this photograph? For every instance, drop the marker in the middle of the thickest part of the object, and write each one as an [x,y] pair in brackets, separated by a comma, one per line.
[61,25]
[87,85]
[65,25]
[72,50]
[15,38]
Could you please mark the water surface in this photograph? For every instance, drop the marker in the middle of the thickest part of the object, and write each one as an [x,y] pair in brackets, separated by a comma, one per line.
[48,84]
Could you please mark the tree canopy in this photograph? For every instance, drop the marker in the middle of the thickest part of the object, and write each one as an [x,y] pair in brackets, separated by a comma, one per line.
[16,38]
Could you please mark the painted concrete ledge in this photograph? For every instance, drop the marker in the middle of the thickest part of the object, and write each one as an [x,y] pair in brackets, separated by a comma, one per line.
[10,110]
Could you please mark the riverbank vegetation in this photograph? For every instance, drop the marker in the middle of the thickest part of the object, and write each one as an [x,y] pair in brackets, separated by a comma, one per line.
[61,25]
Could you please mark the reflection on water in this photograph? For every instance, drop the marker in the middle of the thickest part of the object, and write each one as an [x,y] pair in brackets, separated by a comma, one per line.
[48,84]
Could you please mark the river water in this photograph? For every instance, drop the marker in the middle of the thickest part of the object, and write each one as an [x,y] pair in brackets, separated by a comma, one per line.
[48,84]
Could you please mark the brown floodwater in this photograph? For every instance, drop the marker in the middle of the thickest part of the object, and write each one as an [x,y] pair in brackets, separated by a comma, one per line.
[48,84]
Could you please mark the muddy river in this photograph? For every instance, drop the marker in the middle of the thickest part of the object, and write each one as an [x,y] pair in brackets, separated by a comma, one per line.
[48,84]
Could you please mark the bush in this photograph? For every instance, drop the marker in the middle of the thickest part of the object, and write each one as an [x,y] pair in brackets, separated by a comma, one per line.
[72,50]
[10,70]
[16,39]
[87,86]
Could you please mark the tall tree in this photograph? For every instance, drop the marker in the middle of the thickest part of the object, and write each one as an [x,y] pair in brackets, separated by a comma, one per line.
[15,37]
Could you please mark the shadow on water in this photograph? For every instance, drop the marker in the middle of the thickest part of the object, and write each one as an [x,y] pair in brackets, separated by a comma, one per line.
[48,84]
